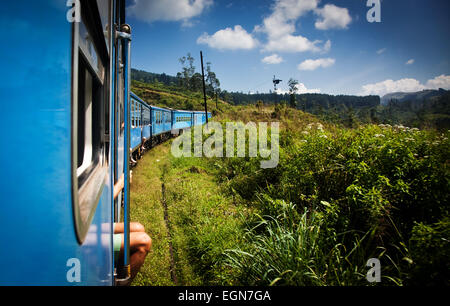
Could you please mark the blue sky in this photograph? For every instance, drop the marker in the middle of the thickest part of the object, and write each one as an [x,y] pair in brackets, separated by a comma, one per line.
[328,46]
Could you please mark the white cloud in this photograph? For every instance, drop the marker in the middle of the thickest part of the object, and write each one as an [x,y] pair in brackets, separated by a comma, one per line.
[390,86]
[327,46]
[280,27]
[333,17]
[229,39]
[442,81]
[272,59]
[311,65]
[167,10]
[381,51]
[405,85]
[285,12]
[301,89]
[410,62]
[292,43]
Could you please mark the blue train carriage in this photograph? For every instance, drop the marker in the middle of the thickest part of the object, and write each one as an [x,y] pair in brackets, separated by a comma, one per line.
[200,117]
[181,120]
[59,203]
[136,123]
[161,123]
[140,125]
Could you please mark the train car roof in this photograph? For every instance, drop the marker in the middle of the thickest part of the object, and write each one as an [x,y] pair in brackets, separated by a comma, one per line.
[182,111]
[200,112]
[160,108]
[134,96]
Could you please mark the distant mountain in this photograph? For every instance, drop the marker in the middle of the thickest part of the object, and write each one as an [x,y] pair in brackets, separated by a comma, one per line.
[412,96]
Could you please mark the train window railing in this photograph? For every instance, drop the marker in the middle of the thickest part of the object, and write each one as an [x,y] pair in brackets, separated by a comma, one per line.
[90,103]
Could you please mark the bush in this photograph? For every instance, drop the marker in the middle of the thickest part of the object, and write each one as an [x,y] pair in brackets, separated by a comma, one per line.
[430,250]
[374,189]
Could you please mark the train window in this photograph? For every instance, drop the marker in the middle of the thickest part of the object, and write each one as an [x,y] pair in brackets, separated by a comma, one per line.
[135,114]
[90,104]
[140,112]
[132,113]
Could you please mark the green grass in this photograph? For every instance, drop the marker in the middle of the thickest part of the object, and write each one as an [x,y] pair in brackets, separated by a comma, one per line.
[204,222]
[147,209]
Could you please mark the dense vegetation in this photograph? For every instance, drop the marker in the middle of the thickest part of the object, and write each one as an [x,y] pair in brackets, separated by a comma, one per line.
[338,197]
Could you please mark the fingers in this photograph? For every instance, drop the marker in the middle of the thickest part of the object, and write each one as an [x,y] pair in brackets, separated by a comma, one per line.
[134,227]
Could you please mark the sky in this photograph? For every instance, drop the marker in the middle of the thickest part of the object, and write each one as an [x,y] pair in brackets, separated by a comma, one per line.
[328,46]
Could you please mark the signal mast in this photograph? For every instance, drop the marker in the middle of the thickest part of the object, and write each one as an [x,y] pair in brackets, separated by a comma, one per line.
[275,83]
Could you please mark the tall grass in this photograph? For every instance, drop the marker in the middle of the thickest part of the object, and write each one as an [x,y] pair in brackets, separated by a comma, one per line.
[292,249]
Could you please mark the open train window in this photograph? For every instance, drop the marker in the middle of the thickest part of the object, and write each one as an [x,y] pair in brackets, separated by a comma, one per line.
[132,113]
[90,111]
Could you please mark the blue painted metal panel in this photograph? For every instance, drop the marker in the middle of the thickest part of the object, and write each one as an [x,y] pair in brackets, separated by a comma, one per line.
[146,130]
[167,121]
[160,126]
[178,125]
[135,138]
[36,220]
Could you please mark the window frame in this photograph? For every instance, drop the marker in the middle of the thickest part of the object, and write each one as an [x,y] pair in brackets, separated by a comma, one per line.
[88,184]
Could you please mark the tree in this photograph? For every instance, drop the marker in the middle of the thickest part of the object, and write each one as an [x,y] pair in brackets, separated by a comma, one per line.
[196,82]
[293,91]
[373,116]
[212,82]
[188,70]
[259,104]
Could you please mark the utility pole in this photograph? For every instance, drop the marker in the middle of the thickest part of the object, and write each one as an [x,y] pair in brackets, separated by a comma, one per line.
[204,88]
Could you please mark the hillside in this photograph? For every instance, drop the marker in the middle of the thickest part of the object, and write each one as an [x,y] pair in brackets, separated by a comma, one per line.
[412,96]
[426,109]
[160,95]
